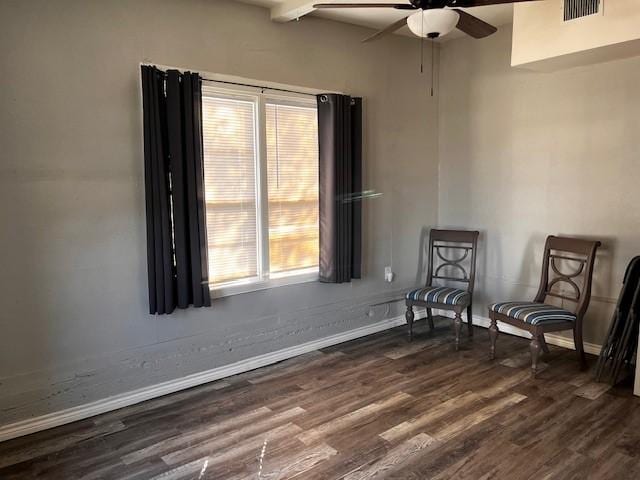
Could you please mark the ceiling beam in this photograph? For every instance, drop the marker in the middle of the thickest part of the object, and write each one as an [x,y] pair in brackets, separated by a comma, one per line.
[291,10]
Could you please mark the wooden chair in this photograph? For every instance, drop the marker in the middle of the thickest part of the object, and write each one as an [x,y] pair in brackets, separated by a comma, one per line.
[538,317]
[461,269]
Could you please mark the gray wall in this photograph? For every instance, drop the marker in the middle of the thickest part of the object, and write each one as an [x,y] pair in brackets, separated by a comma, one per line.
[521,155]
[525,154]
[73,321]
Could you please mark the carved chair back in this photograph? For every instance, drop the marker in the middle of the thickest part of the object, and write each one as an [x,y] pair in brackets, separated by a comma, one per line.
[578,257]
[452,257]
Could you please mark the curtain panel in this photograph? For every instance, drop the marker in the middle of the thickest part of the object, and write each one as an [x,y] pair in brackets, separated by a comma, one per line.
[340,149]
[177,261]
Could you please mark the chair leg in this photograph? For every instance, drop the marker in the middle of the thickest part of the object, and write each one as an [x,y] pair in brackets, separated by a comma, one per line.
[457,325]
[577,339]
[493,336]
[430,319]
[470,320]
[535,347]
[409,316]
[543,344]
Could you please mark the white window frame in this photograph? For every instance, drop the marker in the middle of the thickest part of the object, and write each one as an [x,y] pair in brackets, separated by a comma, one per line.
[264,279]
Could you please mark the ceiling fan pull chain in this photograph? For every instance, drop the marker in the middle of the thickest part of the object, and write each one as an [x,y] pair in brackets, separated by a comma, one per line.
[422,47]
[433,49]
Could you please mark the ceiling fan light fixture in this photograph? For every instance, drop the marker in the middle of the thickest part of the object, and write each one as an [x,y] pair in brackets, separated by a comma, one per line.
[433,22]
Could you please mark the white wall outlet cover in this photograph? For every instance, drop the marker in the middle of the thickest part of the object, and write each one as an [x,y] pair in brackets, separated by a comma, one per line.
[388,274]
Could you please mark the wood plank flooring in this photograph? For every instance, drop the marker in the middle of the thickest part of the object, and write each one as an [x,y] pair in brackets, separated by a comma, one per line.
[377,407]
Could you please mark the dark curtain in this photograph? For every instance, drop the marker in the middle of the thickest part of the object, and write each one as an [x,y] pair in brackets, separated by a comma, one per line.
[174,184]
[340,143]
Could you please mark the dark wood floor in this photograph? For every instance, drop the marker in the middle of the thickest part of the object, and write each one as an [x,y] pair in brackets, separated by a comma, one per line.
[373,408]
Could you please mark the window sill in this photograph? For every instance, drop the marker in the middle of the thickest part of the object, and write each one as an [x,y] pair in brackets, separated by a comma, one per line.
[253,285]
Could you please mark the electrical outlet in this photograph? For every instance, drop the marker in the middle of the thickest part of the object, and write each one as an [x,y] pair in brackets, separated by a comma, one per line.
[388,274]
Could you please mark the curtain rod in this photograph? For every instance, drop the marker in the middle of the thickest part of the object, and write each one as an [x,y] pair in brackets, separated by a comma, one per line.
[258,86]
[263,87]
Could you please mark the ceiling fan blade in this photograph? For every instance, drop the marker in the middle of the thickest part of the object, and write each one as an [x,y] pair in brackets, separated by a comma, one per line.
[398,6]
[385,31]
[473,26]
[481,3]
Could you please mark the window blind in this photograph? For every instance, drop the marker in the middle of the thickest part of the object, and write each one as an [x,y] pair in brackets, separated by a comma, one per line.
[229,141]
[292,180]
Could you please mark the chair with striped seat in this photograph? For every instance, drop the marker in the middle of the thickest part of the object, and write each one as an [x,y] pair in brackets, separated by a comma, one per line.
[539,317]
[444,244]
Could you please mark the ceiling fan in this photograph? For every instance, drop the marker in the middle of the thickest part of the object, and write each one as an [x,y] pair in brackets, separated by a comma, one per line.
[433,18]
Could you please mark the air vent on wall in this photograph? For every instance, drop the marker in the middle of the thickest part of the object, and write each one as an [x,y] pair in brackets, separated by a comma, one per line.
[581,8]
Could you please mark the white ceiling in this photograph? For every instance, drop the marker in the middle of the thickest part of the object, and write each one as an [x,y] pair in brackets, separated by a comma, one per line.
[497,15]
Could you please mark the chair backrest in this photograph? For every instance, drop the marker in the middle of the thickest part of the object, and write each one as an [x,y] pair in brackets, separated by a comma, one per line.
[579,256]
[459,244]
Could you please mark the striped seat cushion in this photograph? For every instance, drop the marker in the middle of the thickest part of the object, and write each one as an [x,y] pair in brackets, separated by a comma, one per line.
[444,295]
[533,313]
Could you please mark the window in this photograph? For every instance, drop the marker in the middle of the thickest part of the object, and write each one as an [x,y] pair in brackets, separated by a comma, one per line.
[261,188]
[292,186]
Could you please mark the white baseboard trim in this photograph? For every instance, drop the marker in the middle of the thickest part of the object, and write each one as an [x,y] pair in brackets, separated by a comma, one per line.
[81,412]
